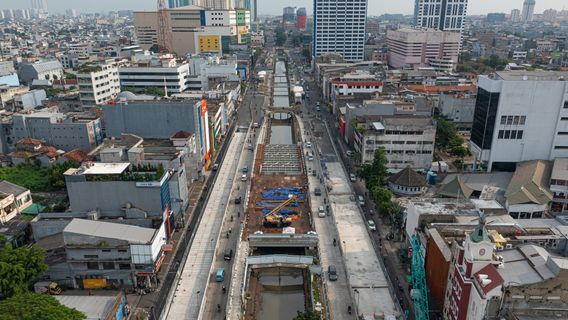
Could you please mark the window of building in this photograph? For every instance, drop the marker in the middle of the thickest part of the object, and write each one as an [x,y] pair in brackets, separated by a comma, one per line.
[124,266]
[93,265]
[507,134]
[500,134]
[565,104]
[503,119]
[510,119]
[522,120]
[122,250]
[91,256]
[519,134]
[516,120]
[108,265]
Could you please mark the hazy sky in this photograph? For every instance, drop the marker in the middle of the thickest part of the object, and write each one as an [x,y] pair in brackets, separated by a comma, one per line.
[376,7]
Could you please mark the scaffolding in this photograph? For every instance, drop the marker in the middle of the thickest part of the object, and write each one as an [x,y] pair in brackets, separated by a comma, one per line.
[419,289]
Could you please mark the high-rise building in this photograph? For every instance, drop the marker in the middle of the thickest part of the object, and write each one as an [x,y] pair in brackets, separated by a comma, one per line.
[422,47]
[39,5]
[178,3]
[301,18]
[515,15]
[447,15]
[528,10]
[289,15]
[216,4]
[339,27]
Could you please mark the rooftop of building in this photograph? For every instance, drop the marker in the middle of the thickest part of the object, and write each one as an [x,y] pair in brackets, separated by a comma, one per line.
[529,264]
[530,183]
[530,76]
[384,122]
[94,307]
[7,187]
[439,206]
[132,234]
[408,178]
[97,168]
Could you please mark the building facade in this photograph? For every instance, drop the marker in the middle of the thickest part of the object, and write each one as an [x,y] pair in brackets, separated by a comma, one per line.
[407,140]
[520,116]
[339,27]
[196,30]
[172,79]
[46,70]
[515,15]
[418,48]
[527,14]
[56,129]
[99,84]
[447,15]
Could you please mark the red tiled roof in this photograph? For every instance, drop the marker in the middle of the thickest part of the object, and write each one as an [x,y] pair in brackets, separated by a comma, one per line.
[359,83]
[438,89]
[29,141]
[76,155]
[492,274]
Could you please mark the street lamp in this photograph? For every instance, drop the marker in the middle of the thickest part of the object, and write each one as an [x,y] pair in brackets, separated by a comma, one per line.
[357,305]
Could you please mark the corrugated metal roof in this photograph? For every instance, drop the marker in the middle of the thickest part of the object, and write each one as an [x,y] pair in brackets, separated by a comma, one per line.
[132,234]
[47,66]
[94,307]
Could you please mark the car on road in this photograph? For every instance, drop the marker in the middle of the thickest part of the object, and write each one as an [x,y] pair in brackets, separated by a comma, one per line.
[317,191]
[244,177]
[332,272]
[215,167]
[318,109]
[250,147]
[321,212]
[228,254]
[310,156]
[352,177]
[238,200]
[361,200]
[220,275]
[349,153]
[371,225]
[245,169]
[308,144]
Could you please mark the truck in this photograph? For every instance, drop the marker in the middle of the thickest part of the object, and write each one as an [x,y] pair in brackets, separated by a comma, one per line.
[48,287]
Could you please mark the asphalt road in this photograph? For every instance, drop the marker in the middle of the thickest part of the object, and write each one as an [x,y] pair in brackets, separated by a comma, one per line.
[317,118]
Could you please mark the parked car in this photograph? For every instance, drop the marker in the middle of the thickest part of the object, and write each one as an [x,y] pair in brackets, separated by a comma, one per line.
[371,225]
[317,191]
[238,200]
[215,167]
[228,254]
[332,273]
[244,177]
[308,144]
[245,169]
[321,212]
[352,177]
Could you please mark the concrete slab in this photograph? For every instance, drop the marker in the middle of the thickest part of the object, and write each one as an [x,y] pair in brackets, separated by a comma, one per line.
[189,292]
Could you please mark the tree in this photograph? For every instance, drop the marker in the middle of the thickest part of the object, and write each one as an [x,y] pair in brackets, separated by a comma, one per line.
[375,173]
[307,315]
[382,198]
[34,306]
[154,48]
[18,267]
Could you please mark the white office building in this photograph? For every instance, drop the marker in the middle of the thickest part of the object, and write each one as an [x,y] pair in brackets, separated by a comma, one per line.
[528,10]
[339,27]
[98,84]
[520,116]
[447,15]
[515,15]
[172,78]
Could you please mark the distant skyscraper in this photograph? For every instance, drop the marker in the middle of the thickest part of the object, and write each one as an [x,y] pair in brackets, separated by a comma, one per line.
[301,18]
[178,3]
[339,27]
[447,15]
[39,5]
[216,4]
[528,10]
[289,15]
[515,15]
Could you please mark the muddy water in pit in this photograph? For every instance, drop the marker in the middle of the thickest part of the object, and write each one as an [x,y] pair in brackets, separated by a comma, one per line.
[282,294]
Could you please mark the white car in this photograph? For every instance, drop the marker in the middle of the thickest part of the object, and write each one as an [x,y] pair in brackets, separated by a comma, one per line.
[308,144]
[352,177]
[321,212]
[244,177]
[371,225]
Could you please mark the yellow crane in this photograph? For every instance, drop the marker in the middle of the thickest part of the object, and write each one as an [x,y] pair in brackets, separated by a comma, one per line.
[275,219]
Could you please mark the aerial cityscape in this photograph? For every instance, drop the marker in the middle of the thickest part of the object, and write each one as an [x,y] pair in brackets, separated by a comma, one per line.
[284,160]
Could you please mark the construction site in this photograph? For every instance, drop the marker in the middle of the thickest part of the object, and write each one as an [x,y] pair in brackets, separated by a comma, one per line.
[278,221]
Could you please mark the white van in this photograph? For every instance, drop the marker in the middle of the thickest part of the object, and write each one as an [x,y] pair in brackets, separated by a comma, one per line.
[361,200]
[310,156]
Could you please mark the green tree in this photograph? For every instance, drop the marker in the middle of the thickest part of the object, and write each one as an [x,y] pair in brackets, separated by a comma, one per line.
[18,267]
[307,315]
[375,173]
[382,198]
[33,306]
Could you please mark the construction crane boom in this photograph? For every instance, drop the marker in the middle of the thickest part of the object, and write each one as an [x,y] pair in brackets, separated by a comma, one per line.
[281,206]
[164,32]
[419,289]
[275,219]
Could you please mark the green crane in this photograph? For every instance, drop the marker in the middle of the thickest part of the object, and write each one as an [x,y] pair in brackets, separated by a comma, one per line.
[419,291]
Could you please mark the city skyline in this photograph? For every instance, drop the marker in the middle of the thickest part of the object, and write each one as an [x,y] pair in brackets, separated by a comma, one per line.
[274,7]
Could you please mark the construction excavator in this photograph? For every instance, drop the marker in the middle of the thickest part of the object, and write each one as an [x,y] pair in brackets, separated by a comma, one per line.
[273,219]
